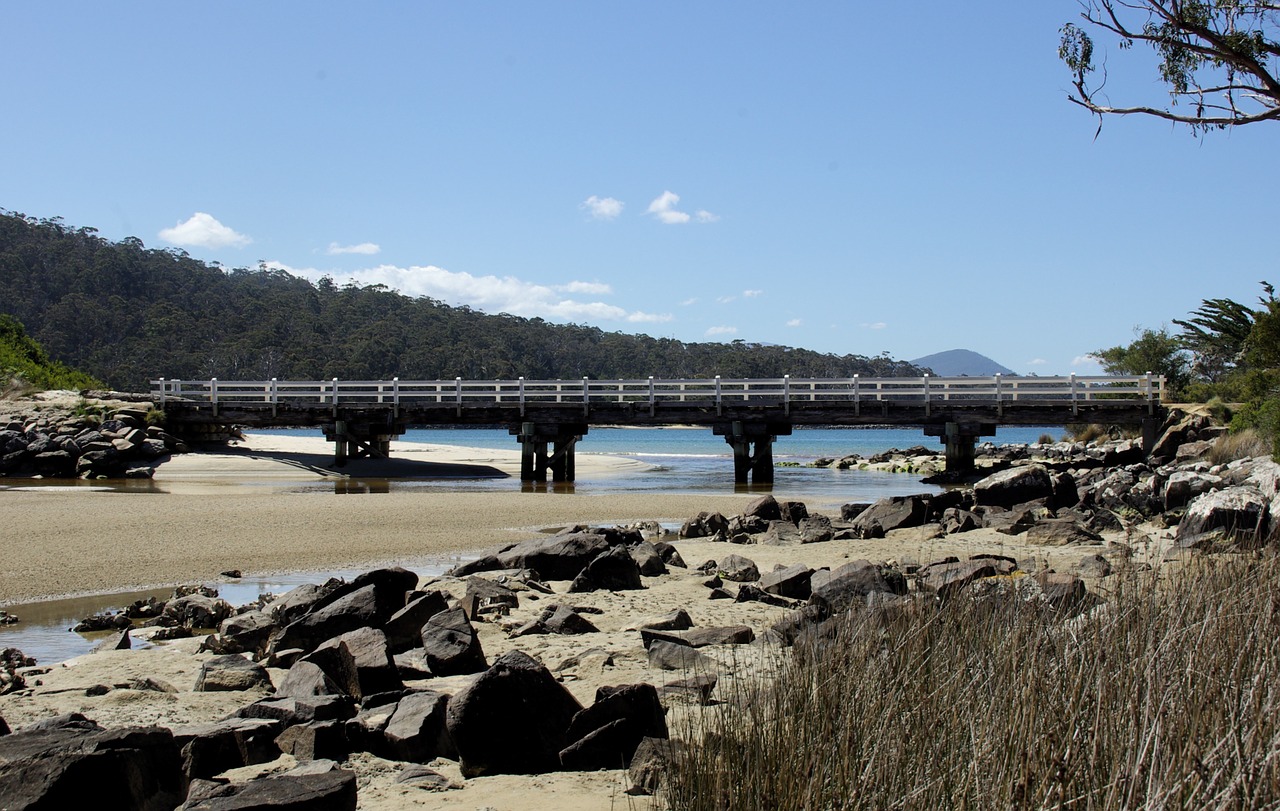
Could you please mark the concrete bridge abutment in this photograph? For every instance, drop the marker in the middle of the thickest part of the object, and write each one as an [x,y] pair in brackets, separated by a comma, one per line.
[960,439]
[536,460]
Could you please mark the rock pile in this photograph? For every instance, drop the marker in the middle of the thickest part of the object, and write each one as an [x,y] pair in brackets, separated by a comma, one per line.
[123,445]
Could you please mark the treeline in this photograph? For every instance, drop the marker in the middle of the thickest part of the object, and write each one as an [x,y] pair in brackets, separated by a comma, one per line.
[128,314]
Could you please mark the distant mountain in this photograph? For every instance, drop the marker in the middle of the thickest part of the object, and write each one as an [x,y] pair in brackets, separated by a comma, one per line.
[957,362]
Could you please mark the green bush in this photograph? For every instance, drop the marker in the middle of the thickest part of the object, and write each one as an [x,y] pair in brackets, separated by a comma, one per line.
[25,366]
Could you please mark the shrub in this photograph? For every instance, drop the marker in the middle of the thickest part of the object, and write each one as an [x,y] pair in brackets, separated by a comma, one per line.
[1239,445]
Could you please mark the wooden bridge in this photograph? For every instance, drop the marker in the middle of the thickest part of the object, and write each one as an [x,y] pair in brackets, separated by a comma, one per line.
[361,417]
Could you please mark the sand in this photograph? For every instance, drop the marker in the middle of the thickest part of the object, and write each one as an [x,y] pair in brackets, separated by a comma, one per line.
[242,509]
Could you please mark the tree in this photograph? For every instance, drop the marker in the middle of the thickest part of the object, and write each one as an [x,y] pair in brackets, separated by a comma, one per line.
[1219,56]
[1216,336]
[1154,351]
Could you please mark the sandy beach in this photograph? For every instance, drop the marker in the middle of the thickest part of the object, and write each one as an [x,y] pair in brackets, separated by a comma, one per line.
[249,508]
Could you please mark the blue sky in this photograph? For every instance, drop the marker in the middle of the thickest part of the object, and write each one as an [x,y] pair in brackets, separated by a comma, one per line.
[848,177]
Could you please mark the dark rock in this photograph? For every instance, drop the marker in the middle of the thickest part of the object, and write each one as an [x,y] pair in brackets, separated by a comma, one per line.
[416,731]
[560,557]
[848,585]
[799,622]
[374,669]
[424,777]
[77,767]
[704,525]
[120,641]
[231,672]
[390,588]
[452,647]
[246,633]
[329,791]
[357,609]
[512,719]
[317,740]
[849,512]
[792,582]
[652,764]
[948,579]
[210,749]
[765,507]
[560,619]
[669,554]
[305,680]
[793,512]
[738,569]
[816,529]
[306,598]
[649,560]
[1092,566]
[751,593]
[672,656]
[300,710]
[484,596]
[888,514]
[1063,591]
[955,520]
[677,620]
[614,570]
[404,628]
[488,563]
[697,689]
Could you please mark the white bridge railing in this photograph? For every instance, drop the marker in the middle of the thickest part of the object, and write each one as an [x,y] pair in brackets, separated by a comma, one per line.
[997,391]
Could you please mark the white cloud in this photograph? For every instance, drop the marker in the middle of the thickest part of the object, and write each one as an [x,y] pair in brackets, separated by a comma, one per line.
[203,231]
[795,322]
[364,248]
[722,331]
[493,294]
[603,208]
[1037,362]
[725,299]
[1085,360]
[751,293]
[876,325]
[664,208]
[589,288]
[689,302]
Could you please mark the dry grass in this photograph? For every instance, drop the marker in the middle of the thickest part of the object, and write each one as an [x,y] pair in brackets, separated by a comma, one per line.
[1239,445]
[1168,697]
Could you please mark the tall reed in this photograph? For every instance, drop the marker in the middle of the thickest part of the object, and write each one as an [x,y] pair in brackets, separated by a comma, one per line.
[1167,697]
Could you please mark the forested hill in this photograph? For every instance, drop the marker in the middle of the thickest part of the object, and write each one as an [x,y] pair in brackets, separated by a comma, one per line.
[127,314]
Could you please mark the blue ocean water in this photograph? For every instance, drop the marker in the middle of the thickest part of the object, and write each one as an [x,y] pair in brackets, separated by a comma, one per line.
[694,461]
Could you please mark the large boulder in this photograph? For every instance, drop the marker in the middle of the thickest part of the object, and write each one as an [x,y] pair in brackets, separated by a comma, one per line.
[231,672]
[1016,485]
[848,586]
[560,557]
[416,731]
[452,645]
[358,609]
[738,569]
[792,581]
[333,790]
[375,670]
[404,628]
[85,766]
[606,734]
[210,749]
[1232,518]
[888,514]
[512,719]
[614,570]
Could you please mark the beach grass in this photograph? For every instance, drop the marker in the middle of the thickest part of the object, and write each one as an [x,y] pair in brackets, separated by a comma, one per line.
[1168,696]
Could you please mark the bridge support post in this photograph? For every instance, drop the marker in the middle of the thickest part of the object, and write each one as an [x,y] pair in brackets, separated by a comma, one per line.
[359,438]
[752,444]
[960,438]
[534,459]
[1150,433]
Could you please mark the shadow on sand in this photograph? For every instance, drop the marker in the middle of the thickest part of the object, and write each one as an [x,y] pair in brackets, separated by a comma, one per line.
[365,468]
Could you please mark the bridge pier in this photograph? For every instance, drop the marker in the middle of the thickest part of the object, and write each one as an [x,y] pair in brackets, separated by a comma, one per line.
[356,439]
[535,461]
[754,466]
[960,439]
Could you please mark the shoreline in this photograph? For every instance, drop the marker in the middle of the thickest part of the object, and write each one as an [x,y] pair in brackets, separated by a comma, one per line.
[248,508]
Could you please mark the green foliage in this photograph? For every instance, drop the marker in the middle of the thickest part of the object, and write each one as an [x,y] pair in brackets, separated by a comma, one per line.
[1154,351]
[1263,416]
[1216,336]
[128,315]
[24,364]
[1218,56]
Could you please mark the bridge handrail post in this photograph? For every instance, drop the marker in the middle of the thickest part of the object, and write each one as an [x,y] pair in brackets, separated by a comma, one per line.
[274,395]
[857,399]
[1151,409]
[213,394]
[457,388]
[1075,399]
[719,404]
[786,395]
[999,402]
[522,395]
[335,397]
[162,392]
[395,398]
[927,403]
[652,398]
[586,395]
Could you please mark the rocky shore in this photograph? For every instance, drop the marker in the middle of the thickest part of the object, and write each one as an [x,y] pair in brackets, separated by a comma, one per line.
[547,672]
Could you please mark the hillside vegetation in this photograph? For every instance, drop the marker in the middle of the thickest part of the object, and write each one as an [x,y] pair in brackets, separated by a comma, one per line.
[24,364]
[128,314]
